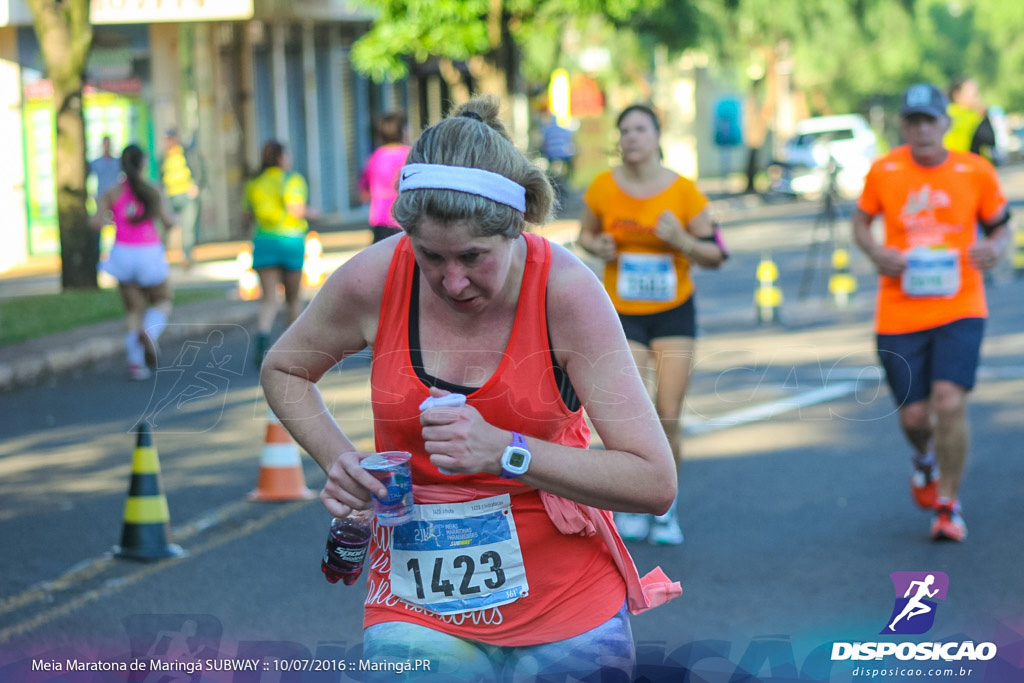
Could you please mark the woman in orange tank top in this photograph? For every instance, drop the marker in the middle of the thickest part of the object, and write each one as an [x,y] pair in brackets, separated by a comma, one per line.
[466,303]
[649,225]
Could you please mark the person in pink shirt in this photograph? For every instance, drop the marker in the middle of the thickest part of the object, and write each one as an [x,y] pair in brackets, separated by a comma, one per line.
[138,260]
[378,183]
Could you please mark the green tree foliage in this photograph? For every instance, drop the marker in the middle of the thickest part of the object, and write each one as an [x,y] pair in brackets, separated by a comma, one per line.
[848,54]
[65,39]
[493,33]
[674,25]
[418,30]
[995,51]
[890,53]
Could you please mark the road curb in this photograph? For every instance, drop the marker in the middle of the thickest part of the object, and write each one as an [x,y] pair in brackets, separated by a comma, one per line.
[85,347]
[36,361]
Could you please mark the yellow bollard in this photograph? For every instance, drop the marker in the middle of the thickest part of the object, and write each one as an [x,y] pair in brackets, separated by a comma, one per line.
[767,295]
[842,283]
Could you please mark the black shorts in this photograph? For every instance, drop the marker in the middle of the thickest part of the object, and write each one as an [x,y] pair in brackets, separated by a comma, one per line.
[914,360]
[680,321]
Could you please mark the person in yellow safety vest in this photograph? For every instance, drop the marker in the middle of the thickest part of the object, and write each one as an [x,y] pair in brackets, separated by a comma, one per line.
[180,176]
[966,112]
[275,201]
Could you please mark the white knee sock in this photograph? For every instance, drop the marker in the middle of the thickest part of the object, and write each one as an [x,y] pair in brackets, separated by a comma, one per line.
[133,347]
[154,322]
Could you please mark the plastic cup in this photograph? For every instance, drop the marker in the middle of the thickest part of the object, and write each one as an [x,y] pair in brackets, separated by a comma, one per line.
[392,469]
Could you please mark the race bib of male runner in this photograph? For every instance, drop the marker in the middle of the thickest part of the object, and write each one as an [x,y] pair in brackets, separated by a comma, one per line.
[458,557]
[646,277]
[932,272]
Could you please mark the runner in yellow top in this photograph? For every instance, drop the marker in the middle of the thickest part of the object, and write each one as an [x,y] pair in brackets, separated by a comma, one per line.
[931,295]
[276,201]
[966,112]
[649,224]
[182,177]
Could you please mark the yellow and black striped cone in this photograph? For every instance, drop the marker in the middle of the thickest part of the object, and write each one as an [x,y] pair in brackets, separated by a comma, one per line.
[147,521]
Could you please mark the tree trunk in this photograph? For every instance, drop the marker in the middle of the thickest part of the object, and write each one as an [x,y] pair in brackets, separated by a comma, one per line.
[457,86]
[494,72]
[65,38]
[752,168]
[79,244]
[489,77]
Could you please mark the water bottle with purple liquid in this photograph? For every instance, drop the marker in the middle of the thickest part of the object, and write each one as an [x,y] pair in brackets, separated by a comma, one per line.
[346,546]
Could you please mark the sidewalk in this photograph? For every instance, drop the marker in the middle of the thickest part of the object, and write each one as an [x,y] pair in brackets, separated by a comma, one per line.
[37,360]
[34,361]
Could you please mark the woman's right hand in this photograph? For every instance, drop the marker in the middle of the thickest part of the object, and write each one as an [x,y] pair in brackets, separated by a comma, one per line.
[349,486]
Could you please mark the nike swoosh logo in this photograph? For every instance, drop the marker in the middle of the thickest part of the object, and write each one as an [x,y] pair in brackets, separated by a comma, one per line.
[408,174]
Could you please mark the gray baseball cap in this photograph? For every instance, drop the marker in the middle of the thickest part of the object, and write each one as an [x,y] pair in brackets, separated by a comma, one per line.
[924,98]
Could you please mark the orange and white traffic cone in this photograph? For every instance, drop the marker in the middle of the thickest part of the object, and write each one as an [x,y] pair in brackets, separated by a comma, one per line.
[281,476]
[248,280]
[147,523]
[313,272]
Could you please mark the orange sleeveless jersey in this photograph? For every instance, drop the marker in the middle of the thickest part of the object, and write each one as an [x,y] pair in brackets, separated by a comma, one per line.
[630,222]
[937,206]
[574,586]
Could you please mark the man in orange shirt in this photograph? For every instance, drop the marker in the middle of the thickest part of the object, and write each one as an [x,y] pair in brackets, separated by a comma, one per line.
[946,221]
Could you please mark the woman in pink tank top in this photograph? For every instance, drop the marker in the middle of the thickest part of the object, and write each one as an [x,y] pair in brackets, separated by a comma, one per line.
[378,183]
[137,260]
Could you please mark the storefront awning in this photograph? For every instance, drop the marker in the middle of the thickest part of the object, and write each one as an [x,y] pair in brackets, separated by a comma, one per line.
[17,12]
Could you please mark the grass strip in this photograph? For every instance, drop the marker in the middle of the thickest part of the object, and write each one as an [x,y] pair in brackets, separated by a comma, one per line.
[29,317]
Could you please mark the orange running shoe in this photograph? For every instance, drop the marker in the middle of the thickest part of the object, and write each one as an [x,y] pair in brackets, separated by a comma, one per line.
[924,486]
[948,525]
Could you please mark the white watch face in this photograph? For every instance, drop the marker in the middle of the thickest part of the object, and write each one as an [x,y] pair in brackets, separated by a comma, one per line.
[515,460]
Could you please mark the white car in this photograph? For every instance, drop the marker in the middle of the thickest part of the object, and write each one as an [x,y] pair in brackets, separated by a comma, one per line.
[845,140]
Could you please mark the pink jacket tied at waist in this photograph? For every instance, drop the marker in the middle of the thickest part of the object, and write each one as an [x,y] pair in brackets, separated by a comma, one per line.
[569,517]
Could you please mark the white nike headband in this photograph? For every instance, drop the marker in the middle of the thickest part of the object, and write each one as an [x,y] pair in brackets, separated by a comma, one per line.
[493,186]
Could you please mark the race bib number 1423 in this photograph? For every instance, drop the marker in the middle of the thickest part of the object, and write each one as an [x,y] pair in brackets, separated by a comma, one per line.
[458,557]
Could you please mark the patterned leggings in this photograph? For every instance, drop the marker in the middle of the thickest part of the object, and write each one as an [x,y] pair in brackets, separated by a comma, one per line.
[604,654]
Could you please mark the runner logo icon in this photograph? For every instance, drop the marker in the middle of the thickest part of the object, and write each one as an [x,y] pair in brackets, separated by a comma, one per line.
[914,609]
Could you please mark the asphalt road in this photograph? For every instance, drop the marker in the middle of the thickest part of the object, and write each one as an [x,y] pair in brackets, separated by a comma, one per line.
[794,503]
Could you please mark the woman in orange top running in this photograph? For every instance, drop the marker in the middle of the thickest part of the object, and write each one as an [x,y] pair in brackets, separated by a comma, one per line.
[649,224]
[510,567]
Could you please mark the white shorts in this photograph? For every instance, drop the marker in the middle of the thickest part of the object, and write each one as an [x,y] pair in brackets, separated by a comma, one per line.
[144,265]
